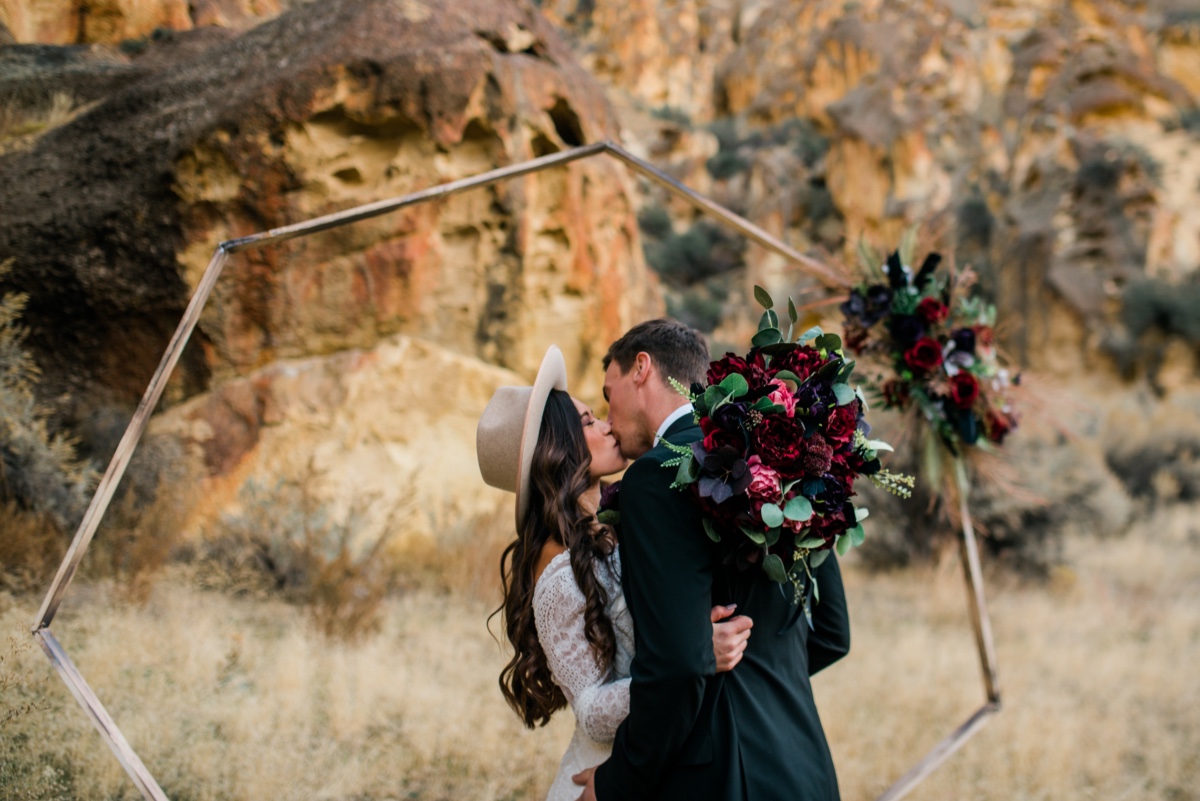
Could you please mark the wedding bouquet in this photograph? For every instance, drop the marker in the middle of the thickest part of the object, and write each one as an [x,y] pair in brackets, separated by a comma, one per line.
[934,346]
[784,441]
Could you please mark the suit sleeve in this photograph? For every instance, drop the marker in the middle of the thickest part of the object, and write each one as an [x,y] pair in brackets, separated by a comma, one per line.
[667,579]
[829,639]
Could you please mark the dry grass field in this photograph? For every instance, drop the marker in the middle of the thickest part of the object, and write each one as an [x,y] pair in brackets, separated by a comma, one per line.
[234,699]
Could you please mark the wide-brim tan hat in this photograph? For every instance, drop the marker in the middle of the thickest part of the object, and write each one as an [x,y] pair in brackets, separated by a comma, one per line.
[508,430]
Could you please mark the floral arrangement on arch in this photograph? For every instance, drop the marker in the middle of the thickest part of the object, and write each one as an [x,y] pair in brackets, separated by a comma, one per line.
[785,439]
[930,348]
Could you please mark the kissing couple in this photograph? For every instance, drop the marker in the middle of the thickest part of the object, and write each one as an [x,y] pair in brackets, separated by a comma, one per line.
[632,624]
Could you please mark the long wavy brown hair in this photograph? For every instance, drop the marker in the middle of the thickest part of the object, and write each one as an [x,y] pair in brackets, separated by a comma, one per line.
[558,479]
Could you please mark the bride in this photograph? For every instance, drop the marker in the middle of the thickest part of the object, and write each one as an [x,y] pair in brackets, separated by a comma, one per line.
[564,613]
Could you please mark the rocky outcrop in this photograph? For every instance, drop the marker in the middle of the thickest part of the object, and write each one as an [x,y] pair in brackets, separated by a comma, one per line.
[112,217]
[67,22]
[1052,146]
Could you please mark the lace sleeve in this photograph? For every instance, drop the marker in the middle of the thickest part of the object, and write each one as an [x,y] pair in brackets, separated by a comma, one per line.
[558,607]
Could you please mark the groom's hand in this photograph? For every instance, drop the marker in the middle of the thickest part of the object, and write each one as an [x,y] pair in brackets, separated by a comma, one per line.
[729,637]
[587,779]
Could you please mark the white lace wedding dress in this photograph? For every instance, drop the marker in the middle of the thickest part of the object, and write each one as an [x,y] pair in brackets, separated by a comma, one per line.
[598,696]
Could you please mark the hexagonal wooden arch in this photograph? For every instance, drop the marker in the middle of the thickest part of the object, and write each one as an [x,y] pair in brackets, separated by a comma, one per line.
[116,469]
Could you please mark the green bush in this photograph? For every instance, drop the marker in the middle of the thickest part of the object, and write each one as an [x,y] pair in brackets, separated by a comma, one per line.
[285,541]
[698,306]
[654,221]
[726,164]
[38,469]
[1190,120]
[1173,309]
[672,114]
[703,251]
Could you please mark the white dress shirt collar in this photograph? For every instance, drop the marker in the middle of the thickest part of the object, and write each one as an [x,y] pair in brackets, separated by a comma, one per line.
[685,409]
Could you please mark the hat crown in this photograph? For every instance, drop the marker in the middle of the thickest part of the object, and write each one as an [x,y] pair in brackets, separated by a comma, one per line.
[498,438]
[508,430]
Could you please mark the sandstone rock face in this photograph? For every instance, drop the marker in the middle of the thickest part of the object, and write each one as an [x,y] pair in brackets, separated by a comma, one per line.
[113,216]
[1045,137]
[62,22]
[360,425]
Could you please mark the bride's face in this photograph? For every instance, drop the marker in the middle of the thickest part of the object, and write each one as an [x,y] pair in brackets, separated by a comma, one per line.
[606,456]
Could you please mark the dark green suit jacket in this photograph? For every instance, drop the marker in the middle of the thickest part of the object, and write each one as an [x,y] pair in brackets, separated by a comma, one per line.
[693,734]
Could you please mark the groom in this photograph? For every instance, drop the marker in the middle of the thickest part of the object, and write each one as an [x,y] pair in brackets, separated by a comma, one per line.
[691,734]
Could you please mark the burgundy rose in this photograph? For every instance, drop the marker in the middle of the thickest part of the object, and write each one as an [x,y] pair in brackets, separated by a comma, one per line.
[842,423]
[827,526]
[924,356]
[726,366]
[719,437]
[933,311]
[964,390]
[802,361]
[780,443]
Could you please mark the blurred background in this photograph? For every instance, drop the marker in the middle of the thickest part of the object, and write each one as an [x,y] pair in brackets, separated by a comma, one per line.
[289,595]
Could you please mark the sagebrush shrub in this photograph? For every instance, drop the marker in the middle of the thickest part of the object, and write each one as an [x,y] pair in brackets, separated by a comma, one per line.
[38,468]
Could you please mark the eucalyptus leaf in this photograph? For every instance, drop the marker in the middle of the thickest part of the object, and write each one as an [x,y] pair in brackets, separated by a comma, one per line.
[763,297]
[787,375]
[798,509]
[817,558]
[828,342]
[843,545]
[816,591]
[810,334]
[861,514]
[762,404]
[777,348]
[711,530]
[689,471]
[772,536]
[772,515]
[773,566]
[757,537]
[769,320]
[793,315]
[810,543]
[735,385]
[844,394]
[713,396]
[812,487]
[879,445]
[863,398]
[857,535]
[768,336]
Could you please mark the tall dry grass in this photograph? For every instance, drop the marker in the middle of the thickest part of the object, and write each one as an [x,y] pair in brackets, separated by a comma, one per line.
[240,698]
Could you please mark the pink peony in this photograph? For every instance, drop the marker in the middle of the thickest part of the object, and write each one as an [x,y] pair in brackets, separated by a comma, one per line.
[764,481]
[783,396]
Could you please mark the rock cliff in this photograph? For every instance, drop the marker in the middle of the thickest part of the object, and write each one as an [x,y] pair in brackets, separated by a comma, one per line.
[112,214]
[1054,146]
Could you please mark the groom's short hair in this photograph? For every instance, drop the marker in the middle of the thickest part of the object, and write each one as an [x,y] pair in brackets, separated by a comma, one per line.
[678,351]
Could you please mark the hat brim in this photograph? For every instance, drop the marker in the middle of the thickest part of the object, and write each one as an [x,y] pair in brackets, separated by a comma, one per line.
[551,375]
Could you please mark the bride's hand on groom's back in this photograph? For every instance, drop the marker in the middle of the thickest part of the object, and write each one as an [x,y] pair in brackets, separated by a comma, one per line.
[729,636]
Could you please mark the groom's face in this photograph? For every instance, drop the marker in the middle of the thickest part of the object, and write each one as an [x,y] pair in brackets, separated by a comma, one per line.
[620,390]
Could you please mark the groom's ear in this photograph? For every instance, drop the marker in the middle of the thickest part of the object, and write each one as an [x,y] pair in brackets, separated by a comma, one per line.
[643,366]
